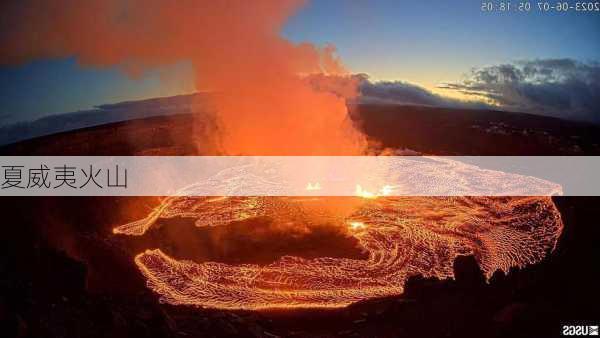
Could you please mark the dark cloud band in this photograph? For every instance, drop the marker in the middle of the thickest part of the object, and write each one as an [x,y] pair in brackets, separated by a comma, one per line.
[563,88]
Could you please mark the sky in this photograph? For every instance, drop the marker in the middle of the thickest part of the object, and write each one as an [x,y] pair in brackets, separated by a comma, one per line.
[427,42]
[421,42]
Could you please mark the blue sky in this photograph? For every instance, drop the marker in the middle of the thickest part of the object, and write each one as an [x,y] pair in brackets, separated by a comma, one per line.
[422,42]
[46,87]
[432,41]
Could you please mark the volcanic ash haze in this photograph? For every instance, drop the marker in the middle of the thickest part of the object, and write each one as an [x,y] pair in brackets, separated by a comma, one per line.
[264,105]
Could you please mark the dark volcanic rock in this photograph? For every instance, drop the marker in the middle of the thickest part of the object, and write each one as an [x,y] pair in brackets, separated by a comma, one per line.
[467,273]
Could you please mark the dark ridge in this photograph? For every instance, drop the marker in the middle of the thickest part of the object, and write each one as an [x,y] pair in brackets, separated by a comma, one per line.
[443,131]
[429,130]
[172,134]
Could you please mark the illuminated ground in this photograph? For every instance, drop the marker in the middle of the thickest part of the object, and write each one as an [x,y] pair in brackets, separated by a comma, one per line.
[402,237]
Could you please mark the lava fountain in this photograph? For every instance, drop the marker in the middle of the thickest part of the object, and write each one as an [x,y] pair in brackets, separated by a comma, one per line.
[402,236]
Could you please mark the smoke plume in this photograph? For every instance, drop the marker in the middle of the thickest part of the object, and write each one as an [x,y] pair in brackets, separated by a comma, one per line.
[264,105]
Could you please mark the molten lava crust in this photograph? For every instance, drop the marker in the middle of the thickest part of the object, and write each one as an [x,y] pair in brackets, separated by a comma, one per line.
[402,236]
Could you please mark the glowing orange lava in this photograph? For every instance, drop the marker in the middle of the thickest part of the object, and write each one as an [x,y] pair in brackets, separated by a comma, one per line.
[402,236]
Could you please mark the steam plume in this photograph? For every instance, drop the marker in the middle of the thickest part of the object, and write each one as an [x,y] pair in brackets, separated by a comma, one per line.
[264,105]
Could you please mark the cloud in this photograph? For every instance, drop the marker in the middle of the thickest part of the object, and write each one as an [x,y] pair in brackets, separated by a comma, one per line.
[399,92]
[360,89]
[563,88]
